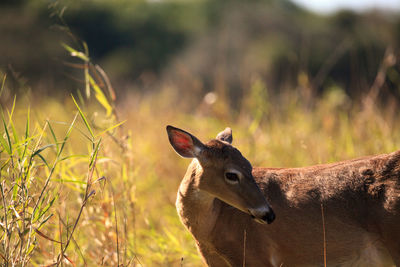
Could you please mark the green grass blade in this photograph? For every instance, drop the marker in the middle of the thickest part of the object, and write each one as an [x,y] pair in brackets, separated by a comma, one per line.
[83,118]
[15,189]
[13,130]
[110,128]
[41,149]
[79,130]
[10,114]
[4,144]
[73,156]
[26,141]
[2,84]
[44,160]
[94,155]
[5,163]
[37,153]
[86,70]
[8,147]
[75,53]
[30,249]
[101,98]
[27,123]
[45,220]
[65,140]
[87,81]
[80,97]
[53,134]
[85,57]
[43,190]
[47,207]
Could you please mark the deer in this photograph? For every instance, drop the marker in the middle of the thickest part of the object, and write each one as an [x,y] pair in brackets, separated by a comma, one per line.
[338,214]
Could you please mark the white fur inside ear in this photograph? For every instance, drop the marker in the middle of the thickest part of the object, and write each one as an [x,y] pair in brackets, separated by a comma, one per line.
[197,150]
[225,135]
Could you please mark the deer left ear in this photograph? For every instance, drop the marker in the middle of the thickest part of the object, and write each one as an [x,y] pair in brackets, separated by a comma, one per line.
[226,135]
[184,143]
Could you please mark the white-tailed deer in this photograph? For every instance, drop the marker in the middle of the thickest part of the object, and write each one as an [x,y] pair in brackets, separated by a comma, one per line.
[346,212]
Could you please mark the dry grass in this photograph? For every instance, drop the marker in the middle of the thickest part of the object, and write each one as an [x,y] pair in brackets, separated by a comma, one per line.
[79,188]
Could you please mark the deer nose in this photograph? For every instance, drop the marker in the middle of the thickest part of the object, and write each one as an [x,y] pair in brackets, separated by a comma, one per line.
[269,217]
[262,214]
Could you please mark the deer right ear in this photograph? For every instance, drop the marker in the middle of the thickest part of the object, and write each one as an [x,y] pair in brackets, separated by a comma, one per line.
[184,143]
[225,135]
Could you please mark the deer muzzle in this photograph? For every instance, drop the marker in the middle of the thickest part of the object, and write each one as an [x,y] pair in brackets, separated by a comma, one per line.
[262,214]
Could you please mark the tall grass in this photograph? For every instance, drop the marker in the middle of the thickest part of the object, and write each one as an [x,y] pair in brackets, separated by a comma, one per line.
[87,181]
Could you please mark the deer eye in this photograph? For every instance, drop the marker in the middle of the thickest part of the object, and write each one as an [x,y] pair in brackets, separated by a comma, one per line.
[231,177]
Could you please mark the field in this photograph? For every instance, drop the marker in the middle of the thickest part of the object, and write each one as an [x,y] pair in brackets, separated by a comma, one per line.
[100,188]
[90,179]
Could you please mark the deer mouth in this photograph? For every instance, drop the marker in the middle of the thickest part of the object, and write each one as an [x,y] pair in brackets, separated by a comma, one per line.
[263,218]
[260,221]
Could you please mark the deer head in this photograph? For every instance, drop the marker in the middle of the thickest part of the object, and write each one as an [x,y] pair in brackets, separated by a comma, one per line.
[226,174]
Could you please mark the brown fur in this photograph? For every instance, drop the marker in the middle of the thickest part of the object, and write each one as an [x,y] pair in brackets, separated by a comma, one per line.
[360,199]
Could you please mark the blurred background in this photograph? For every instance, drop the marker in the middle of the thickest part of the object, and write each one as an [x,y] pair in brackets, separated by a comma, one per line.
[200,46]
[300,83]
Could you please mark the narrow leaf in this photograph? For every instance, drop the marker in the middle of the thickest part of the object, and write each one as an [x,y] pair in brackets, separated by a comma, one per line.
[112,127]
[41,149]
[86,70]
[10,114]
[53,134]
[48,206]
[31,247]
[2,84]
[45,220]
[75,53]
[26,142]
[83,118]
[94,156]
[45,236]
[44,160]
[101,98]
[5,145]
[8,137]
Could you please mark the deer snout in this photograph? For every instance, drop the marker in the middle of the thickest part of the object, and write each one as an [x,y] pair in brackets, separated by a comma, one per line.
[262,215]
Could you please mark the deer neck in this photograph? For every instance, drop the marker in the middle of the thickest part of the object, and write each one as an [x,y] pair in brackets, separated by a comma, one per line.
[197,209]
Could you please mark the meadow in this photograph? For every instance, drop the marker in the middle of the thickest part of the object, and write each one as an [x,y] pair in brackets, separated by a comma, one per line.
[86,180]
[90,179]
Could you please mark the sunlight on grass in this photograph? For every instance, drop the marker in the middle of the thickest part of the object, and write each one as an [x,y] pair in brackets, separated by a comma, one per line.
[93,182]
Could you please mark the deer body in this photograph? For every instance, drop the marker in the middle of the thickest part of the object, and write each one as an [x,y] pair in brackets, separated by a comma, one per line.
[360,201]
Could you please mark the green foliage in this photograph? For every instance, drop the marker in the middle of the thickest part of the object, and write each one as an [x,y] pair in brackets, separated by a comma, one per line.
[86,180]
[139,42]
[137,174]
[34,186]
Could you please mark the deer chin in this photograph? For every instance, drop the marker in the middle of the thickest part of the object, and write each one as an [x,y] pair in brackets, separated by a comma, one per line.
[267,218]
[260,221]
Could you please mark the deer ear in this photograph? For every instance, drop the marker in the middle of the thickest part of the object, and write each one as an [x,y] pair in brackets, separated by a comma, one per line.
[184,143]
[226,135]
